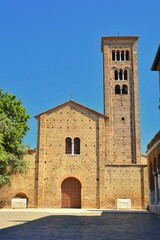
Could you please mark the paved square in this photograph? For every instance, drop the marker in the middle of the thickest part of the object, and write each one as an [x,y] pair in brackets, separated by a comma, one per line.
[87,225]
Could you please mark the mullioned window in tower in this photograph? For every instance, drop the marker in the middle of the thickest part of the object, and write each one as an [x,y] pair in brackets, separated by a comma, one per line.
[120,74]
[120,55]
[121,90]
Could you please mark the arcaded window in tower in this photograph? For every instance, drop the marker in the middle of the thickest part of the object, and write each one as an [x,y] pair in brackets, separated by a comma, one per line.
[76,145]
[124,89]
[120,74]
[117,89]
[122,56]
[118,56]
[116,74]
[113,56]
[127,55]
[125,75]
[68,146]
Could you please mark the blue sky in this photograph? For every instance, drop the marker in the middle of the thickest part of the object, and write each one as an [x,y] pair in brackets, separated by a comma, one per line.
[51,49]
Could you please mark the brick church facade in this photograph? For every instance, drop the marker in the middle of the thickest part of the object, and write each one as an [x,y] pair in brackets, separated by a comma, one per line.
[86,159]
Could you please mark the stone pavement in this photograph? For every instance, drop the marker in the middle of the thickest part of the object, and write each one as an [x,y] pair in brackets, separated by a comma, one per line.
[52,224]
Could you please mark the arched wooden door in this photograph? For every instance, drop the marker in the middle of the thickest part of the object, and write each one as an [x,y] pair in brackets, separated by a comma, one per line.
[71,193]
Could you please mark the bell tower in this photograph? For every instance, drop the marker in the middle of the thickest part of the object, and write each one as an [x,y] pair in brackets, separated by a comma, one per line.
[121,103]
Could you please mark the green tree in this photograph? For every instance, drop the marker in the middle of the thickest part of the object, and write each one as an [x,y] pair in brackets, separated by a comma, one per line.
[13,127]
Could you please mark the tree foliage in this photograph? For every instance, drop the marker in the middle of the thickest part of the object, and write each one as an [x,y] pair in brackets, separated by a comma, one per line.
[13,127]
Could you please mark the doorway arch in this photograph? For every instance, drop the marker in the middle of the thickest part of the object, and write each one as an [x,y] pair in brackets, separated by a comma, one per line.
[71,193]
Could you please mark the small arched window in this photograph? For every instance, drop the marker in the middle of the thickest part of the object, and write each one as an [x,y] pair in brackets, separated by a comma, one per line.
[76,145]
[118,56]
[117,89]
[127,55]
[113,56]
[116,74]
[124,89]
[122,56]
[120,74]
[68,145]
[125,75]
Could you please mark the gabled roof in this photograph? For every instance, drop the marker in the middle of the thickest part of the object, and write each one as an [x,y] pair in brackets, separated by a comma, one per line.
[74,103]
[156,63]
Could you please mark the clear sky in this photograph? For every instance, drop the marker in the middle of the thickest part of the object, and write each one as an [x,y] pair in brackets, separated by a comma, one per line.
[51,49]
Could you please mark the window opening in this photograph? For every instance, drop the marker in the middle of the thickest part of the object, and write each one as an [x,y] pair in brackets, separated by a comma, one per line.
[125,75]
[124,89]
[76,146]
[120,74]
[68,145]
[72,146]
[127,55]
[122,56]
[117,89]
[118,56]
[113,56]
[116,75]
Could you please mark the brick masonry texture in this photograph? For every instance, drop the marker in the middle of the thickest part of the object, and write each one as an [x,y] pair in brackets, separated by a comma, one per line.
[109,165]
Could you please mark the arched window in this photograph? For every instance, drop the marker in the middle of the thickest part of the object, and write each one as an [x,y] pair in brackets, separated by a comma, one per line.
[68,145]
[122,56]
[116,74]
[124,89]
[127,55]
[118,56]
[72,147]
[117,89]
[76,145]
[113,56]
[125,75]
[120,74]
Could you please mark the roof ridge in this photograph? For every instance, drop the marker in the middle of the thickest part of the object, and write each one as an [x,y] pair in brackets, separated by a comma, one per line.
[71,101]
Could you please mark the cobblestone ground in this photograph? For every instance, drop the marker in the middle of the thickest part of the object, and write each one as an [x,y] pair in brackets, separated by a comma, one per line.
[106,225]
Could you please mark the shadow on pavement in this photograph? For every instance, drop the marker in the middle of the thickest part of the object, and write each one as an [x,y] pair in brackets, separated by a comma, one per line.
[108,226]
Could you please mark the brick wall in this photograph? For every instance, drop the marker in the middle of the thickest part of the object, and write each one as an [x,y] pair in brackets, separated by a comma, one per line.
[21,183]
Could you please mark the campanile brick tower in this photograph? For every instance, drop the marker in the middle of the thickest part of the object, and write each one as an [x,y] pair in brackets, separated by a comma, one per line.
[121,99]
